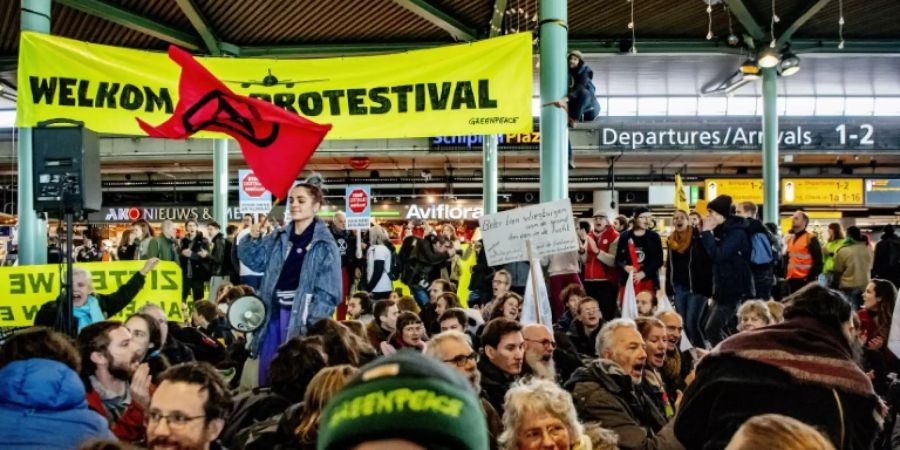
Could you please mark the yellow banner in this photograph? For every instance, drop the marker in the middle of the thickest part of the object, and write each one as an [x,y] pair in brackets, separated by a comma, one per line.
[483,87]
[822,191]
[740,190]
[24,289]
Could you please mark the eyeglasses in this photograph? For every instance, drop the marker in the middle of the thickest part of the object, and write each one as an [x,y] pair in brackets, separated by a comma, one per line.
[462,360]
[175,420]
[544,342]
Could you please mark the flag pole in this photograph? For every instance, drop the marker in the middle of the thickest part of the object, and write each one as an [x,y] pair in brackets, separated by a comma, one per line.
[534,286]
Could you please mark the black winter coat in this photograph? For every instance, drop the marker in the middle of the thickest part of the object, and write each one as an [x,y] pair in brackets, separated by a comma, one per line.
[653,257]
[494,383]
[693,267]
[728,245]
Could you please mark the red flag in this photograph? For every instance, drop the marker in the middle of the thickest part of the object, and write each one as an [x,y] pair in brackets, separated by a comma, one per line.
[276,143]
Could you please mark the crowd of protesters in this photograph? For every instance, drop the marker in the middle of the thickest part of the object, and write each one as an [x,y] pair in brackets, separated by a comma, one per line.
[743,339]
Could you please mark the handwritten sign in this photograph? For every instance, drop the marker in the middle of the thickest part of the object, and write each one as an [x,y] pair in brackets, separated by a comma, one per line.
[549,226]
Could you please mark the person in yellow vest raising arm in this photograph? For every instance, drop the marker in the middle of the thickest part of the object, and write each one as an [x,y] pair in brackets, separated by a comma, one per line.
[804,254]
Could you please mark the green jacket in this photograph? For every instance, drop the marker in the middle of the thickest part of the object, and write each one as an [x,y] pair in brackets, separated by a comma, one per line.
[828,251]
[163,248]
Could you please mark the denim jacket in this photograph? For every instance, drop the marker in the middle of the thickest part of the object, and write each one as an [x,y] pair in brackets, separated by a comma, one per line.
[320,279]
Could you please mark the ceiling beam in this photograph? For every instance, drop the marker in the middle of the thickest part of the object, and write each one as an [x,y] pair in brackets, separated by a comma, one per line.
[788,33]
[740,11]
[322,50]
[190,10]
[496,26]
[439,18]
[130,19]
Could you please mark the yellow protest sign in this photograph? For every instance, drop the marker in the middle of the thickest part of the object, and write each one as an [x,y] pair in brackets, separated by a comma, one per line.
[822,191]
[476,88]
[23,289]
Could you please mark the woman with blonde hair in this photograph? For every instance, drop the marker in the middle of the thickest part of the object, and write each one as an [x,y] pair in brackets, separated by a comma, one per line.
[539,414]
[379,257]
[328,382]
[777,431]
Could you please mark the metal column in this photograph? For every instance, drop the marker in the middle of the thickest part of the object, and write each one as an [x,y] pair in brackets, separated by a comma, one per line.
[32,231]
[489,159]
[770,146]
[220,182]
[554,73]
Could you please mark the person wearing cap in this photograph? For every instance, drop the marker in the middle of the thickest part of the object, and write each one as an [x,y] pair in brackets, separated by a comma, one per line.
[726,238]
[404,401]
[600,279]
[639,250]
[302,265]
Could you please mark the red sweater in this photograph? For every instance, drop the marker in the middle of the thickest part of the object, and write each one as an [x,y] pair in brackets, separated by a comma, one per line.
[130,427]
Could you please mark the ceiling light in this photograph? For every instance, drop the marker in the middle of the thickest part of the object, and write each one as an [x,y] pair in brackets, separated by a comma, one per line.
[790,63]
[768,58]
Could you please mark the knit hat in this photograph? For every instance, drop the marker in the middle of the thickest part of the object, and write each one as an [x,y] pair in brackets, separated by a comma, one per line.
[721,205]
[638,211]
[405,396]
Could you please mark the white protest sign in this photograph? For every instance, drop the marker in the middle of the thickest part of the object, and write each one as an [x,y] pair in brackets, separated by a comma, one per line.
[549,226]
[359,207]
[253,198]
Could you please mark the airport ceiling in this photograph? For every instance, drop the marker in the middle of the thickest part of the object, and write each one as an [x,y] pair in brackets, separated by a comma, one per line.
[665,30]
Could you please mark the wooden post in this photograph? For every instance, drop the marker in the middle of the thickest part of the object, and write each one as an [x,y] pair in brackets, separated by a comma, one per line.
[534,285]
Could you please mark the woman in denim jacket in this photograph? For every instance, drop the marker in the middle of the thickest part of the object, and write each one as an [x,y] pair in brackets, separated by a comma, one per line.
[302,266]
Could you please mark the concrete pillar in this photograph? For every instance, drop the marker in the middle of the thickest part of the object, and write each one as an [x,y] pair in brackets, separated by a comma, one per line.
[554,169]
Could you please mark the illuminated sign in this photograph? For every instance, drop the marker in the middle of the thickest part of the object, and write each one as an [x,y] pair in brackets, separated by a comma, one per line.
[883,192]
[160,213]
[822,191]
[740,190]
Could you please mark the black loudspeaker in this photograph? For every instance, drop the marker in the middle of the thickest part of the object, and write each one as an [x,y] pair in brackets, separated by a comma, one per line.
[66,169]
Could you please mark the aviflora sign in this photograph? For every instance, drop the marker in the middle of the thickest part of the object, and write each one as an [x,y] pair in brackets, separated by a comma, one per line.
[444,211]
[160,213]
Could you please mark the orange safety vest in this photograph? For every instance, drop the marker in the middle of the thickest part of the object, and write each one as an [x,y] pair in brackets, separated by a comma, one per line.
[800,260]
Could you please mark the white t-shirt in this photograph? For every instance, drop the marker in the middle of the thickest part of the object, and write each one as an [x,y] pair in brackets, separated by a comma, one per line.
[379,253]
[245,271]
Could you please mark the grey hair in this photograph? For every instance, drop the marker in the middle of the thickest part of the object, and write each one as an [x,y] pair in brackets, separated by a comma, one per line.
[149,306]
[377,235]
[757,307]
[536,395]
[605,340]
[434,345]
[82,272]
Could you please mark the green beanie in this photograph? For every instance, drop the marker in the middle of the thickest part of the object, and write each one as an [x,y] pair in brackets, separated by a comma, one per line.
[405,396]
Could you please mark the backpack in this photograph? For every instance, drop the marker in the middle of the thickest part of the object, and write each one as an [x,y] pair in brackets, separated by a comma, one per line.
[764,249]
[395,268]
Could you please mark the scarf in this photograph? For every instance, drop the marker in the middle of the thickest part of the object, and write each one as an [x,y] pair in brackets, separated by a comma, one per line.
[680,241]
[88,313]
[804,348]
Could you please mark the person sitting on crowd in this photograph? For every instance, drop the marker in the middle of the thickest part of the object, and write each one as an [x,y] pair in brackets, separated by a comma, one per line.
[777,431]
[608,390]
[453,319]
[429,313]
[42,400]
[209,320]
[653,331]
[540,415]
[408,304]
[753,314]
[646,303]
[359,307]
[145,334]
[302,265]
[89,306]
[384,323]
[727,241]
[173,349]
[458,424]
[585,328]
[504,351]
[193,400]
[875,319]
[455,350]
[117,383]
[509,306]
[410,333]
[571,295]
[677,368]
[298,360]
[539,347]
[337,342]
[829,391]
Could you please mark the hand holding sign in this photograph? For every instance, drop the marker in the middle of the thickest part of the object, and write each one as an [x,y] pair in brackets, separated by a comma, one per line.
[149,265]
